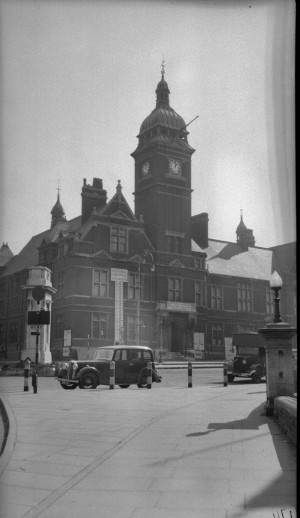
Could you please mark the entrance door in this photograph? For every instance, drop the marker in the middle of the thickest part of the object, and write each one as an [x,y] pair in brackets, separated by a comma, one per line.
[179,330]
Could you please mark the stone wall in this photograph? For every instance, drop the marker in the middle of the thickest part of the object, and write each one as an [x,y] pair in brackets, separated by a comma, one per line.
[285,413]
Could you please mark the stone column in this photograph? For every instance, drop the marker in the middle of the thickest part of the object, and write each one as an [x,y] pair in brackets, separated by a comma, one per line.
[38,276]
[279,362]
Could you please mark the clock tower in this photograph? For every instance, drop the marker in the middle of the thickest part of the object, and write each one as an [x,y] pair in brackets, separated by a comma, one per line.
[163,176]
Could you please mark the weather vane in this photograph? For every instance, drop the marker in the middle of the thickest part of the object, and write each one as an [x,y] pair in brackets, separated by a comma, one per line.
[163,68]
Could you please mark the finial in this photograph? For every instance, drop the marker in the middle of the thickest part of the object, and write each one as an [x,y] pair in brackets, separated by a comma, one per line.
[241,213]
[163,68]
[58,189]
[119,190]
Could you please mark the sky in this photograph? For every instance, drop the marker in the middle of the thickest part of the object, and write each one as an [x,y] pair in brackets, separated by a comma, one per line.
[79,77]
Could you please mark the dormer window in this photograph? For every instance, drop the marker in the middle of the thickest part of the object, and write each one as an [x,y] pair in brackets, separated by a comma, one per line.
[118,240]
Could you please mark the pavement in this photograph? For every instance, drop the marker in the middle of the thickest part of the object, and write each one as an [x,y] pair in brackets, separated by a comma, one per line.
[169,452]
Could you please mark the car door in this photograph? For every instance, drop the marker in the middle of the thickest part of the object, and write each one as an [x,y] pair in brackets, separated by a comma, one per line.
[135,364]
[121,366]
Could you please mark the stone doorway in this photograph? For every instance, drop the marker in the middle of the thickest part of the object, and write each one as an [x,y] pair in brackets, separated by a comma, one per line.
[179,328]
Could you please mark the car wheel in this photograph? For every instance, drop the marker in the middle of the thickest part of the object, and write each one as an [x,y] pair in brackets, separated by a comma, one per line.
[89,381]
[230,378]
[256,377]
[68,386]
[142,381]
[124,386]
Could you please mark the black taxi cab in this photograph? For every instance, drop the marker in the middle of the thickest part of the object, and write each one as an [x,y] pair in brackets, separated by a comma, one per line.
[130,368]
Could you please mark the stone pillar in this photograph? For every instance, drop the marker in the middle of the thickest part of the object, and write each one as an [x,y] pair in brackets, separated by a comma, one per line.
[279,362]
[38,276]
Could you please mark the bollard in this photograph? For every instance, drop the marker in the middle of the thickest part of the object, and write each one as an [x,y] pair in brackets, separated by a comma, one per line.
[57,368]
[149,375]
[112,371]
[26,375]
[225,375]
[160,359]
[190,375]
[34,382]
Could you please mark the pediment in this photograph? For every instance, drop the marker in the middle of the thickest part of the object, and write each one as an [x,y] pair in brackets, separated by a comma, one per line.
[176,264]
[135,258]
[120,215]
[102,253]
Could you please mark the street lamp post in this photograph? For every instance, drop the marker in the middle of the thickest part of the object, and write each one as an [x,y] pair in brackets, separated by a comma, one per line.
[278,346]
[142,258]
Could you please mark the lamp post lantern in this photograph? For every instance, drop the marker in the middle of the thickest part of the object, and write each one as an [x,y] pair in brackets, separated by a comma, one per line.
[276,285]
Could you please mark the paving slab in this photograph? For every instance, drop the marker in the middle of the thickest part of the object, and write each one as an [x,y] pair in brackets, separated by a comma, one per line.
[206,452]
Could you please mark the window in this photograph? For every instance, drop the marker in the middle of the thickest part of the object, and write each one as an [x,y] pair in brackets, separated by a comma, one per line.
[2,298]
[133,286]
[200,297]
[217,334]
[175,244]
[121,355]
[269,301]
[118,240]
[244,297]
[216,297]
[1,334]
[59,324]
[60,284]
[131,329]
[13,332]
[175,289]
[14,293]
[99,325]
[100,283]
[199,263]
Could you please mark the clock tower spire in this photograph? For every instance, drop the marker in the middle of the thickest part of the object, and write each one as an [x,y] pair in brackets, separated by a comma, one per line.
[163,175]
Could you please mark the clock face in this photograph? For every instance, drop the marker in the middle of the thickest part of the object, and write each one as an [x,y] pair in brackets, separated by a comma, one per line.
[145,168]
[175,167]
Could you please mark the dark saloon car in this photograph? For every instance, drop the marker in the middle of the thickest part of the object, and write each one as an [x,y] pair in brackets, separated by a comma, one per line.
[130,368]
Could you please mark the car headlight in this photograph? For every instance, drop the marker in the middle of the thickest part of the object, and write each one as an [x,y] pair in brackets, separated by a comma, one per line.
[244,362]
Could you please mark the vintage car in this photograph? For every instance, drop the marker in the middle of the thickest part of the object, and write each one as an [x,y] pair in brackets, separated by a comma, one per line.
[250,359]
[130,368]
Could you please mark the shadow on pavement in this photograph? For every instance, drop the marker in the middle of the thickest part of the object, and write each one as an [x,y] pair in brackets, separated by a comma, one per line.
[283,484]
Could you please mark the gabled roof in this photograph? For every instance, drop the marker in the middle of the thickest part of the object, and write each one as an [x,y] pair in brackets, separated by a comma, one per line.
[118,206]
[225,258]
[285,260]
[29,255]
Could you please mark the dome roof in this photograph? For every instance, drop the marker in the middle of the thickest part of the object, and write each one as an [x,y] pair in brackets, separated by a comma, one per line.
[241,228]
[57,209]
[163,114]
[163,117]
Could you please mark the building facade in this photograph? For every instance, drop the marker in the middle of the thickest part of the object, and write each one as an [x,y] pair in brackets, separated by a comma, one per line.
[153,276]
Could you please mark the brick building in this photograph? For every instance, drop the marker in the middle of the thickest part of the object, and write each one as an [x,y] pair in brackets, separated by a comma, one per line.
[153,276]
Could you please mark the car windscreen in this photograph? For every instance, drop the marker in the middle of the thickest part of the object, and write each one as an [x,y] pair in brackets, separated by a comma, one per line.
[104,354]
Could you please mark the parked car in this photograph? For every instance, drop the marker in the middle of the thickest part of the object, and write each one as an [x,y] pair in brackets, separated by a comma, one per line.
[130,368]
[250,357]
